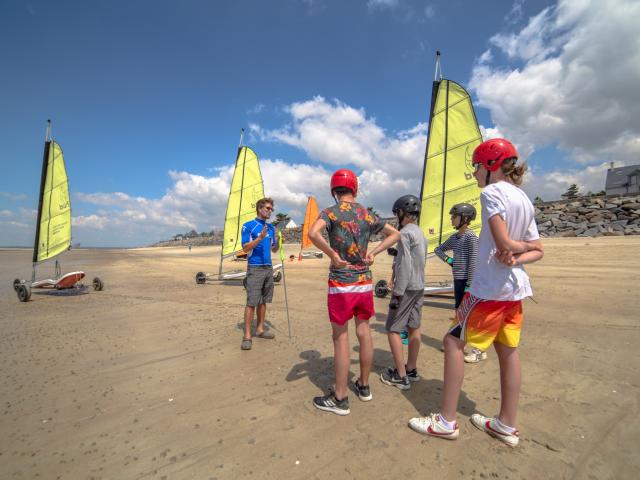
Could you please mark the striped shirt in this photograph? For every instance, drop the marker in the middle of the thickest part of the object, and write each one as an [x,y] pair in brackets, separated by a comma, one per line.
[465,253]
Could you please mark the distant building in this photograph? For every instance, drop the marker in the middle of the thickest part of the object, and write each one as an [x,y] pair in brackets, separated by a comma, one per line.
[291,224]
[623,180]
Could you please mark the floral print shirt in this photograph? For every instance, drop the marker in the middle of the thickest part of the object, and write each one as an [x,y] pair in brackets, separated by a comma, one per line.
[349,226]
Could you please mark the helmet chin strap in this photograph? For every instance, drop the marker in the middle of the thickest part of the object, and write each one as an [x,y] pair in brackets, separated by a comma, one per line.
[488,177]
[400,217]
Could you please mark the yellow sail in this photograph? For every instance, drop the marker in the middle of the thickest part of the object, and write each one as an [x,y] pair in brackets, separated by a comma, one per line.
[246,190]
[448,172]
[310,216]
[53,230]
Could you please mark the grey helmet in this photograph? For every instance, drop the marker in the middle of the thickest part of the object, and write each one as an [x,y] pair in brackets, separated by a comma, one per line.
[466,211]
[409,204]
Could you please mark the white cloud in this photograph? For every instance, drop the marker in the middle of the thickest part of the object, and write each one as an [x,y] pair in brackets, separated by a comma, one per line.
[337,134]
[429,11]
[515,14]
[550,185]
[257,108]
[380,4]
[14,197]
[405,10]
[573,82]
[6,214]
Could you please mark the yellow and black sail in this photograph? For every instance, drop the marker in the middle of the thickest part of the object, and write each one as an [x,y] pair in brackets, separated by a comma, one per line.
[246,189]
[53,227]
[448,171]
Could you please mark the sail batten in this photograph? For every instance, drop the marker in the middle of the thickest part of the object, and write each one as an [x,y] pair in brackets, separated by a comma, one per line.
[448,173]
[245,191]
[53,226]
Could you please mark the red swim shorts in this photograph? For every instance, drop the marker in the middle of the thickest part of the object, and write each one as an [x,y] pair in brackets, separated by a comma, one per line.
[348,300]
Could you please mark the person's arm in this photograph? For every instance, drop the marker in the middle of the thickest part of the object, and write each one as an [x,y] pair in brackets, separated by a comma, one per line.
[445,247]
[315,235]
[392,236]
[247,243]
[530,256]
[504,243]
[402,266]
[472,257]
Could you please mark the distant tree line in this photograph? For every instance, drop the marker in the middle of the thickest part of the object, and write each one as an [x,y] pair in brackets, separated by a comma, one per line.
[193,234]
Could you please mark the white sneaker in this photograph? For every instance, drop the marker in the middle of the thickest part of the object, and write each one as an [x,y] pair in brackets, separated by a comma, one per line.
[432,425]
[490,426]
[475,356]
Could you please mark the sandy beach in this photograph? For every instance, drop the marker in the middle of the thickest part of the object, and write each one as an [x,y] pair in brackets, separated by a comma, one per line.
[146,378]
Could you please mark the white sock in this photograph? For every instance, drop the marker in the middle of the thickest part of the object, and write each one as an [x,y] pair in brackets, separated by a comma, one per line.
[446,423]
[503,427]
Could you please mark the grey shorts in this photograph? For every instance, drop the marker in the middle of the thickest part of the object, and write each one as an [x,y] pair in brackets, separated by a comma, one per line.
[259,284]
[408,313]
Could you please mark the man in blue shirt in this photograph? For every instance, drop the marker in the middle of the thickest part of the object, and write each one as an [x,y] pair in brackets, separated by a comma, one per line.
[258,241]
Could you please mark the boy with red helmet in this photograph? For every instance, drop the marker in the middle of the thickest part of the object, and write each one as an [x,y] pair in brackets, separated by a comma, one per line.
[349,226]
[491,312]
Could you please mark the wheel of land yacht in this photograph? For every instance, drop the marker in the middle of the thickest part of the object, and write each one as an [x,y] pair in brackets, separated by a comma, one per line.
[98,285]
[277,276]
[381,289]
[16,284]
[201,278]
[24,292]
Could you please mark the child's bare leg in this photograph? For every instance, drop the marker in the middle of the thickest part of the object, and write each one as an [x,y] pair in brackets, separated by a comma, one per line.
[366,350]
[510,379]
[341,357]
[414,347]
[395,342]
[453,376]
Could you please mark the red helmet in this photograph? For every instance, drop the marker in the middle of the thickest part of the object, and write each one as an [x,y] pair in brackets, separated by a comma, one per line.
[493,152]
[344,178]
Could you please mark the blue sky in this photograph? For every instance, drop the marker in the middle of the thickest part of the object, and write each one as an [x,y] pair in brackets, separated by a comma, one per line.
[147,99]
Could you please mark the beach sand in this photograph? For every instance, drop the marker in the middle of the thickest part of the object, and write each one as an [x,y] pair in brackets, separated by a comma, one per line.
[146,378]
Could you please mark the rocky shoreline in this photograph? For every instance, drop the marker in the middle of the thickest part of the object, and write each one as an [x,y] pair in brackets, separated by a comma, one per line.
[616,215]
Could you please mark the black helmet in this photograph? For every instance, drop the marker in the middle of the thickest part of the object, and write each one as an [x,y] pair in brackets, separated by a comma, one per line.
[409,204]
[466,211]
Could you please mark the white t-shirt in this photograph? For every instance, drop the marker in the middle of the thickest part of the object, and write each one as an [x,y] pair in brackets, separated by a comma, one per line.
[494,280]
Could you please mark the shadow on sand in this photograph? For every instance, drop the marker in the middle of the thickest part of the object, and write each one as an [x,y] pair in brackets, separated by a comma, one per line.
[424,395]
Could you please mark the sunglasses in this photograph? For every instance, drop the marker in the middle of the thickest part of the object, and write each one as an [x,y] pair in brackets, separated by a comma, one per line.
[268,208]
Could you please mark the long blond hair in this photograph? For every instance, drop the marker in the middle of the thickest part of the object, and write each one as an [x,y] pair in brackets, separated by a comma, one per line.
[512,171]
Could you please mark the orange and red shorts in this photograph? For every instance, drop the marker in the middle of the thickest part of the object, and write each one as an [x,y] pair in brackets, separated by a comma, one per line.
[480,322]
[348,300]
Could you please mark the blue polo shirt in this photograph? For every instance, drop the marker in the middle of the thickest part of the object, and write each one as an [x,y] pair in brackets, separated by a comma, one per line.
[261,254]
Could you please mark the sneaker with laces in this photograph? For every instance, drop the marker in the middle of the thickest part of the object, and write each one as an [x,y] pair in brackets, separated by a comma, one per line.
[493,428]
[412,375]
[391,377]
[475,355]
[432,425]
[329,403]
[363,391]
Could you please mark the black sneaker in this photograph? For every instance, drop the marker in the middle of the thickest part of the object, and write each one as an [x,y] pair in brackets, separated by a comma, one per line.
[412,374]
[364,392]
[329,403]
[391,377]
